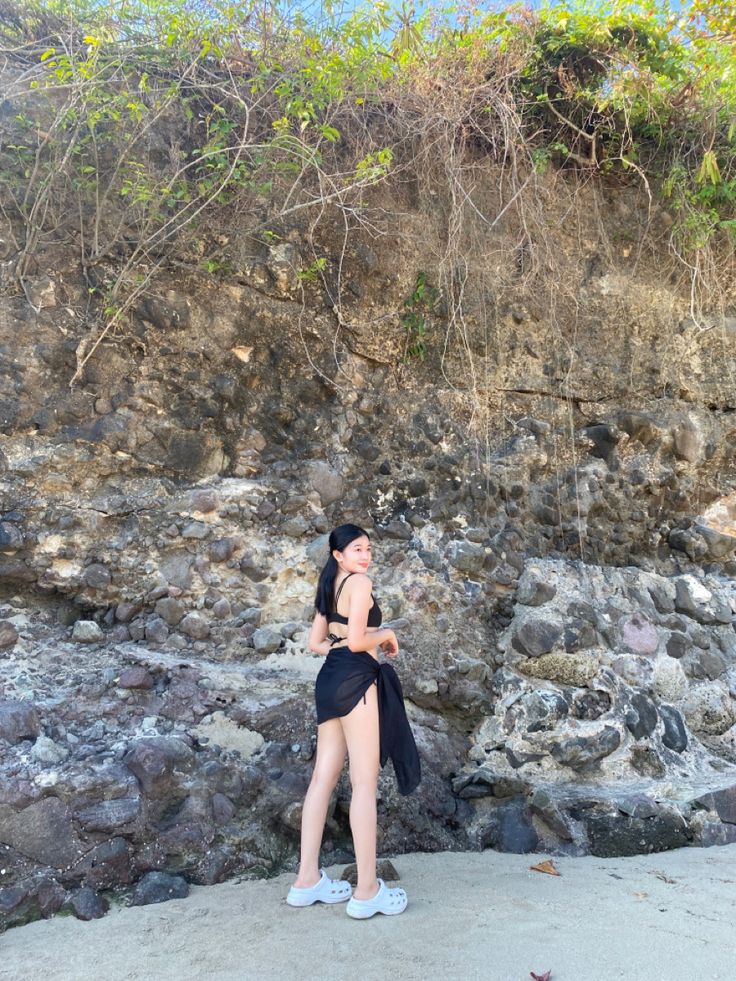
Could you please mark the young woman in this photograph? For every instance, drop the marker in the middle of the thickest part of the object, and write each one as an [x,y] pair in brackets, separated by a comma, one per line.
[360,711]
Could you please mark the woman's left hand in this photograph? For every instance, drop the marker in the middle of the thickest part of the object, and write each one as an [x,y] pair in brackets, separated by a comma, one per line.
[390,646]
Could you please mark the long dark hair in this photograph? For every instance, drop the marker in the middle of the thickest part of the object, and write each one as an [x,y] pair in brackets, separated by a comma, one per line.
[340,538]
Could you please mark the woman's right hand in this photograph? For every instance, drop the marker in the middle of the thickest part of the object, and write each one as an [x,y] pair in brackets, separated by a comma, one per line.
[388,643]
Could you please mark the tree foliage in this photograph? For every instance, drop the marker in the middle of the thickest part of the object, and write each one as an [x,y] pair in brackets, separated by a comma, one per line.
[141,119]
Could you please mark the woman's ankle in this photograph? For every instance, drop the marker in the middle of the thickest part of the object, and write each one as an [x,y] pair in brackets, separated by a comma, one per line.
[366,889]
[307,878]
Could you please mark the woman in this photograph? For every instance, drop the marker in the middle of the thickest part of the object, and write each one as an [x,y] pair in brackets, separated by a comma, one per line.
[360,710]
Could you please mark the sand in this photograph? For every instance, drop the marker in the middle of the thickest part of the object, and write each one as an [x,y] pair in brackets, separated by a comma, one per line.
[470,916]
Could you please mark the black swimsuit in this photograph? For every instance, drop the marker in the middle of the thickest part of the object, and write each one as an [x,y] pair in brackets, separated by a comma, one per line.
[344,679]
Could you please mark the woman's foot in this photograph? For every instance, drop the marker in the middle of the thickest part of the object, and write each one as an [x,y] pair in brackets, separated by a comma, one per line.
[325,890]
[387,901]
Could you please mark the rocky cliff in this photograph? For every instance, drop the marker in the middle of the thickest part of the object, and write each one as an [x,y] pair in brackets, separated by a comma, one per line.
[529,414]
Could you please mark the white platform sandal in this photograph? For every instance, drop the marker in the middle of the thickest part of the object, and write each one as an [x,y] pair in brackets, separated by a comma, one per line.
[325,891]
[387,901]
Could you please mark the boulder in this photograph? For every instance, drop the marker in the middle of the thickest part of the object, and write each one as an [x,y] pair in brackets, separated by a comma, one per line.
[18,720]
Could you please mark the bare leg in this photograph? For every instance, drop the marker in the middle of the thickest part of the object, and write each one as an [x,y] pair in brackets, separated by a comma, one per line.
[331,748]
[362,736]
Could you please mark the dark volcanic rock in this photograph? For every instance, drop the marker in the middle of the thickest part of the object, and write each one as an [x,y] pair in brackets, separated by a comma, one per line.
[154,759]
[18,720]
[43,831]
[536,636]
[136,677]
[109,815]
[675,733]
[534,592]
[613,834]
[723,802]
[87,905]
[579,751]
[107,864]
[641,718]
[8,634]
[159,887]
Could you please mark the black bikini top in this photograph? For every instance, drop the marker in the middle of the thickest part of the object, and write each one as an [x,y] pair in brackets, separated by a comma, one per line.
[375,618]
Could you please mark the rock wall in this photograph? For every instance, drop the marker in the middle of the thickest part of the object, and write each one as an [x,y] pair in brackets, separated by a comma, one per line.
[548,490]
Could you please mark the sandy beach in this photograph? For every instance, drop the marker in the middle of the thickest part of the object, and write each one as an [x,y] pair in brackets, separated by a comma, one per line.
[668,916]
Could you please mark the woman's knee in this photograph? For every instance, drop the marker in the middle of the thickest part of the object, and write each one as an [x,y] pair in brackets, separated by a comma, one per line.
[365,781]
[325,779]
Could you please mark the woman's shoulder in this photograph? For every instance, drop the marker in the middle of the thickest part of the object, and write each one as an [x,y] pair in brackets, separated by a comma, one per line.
[359,580]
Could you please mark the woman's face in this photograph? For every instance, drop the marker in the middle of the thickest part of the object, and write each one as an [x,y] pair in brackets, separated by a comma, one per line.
[355,557]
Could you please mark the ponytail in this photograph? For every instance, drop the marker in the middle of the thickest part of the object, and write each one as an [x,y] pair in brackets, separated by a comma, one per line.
[340,538]
[326,586]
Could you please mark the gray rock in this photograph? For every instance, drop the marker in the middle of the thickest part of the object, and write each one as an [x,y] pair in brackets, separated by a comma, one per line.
[124,612]
[581,750]
[43,832]
[8,634]
[107,864]
[663,601]
[97,576]
[137,629]
[317,551]
[109,815]
[543,805]
[718,543]
[723,802]
[177,570]
[204,500]
[135,677]
[326,481]
[399,529]
[221,608]
[466,556]
[11,537]
[153,760]
[195,626]
[674,735]
[515,831]
[534,592]
[694,600]
[251,568]
[266,640]
[251,615]
[295,527]
[712,833]
[159,887]
[87,905]
[222,550]
[156,630]
[688,442]
[87,632]
[641,719]
[283,263]
[45,750]
[677,644]
[613,834]
[223,809]
[196,530]
[18,720]
[170,609]
[709,709]
[535,636]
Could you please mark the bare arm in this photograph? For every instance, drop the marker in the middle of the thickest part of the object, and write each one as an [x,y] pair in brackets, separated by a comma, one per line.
[360,637]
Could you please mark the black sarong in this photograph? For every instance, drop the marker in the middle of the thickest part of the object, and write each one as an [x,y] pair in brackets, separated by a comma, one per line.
[343,680]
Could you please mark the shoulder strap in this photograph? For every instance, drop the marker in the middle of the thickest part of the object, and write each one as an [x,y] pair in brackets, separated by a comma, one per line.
[337,594]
